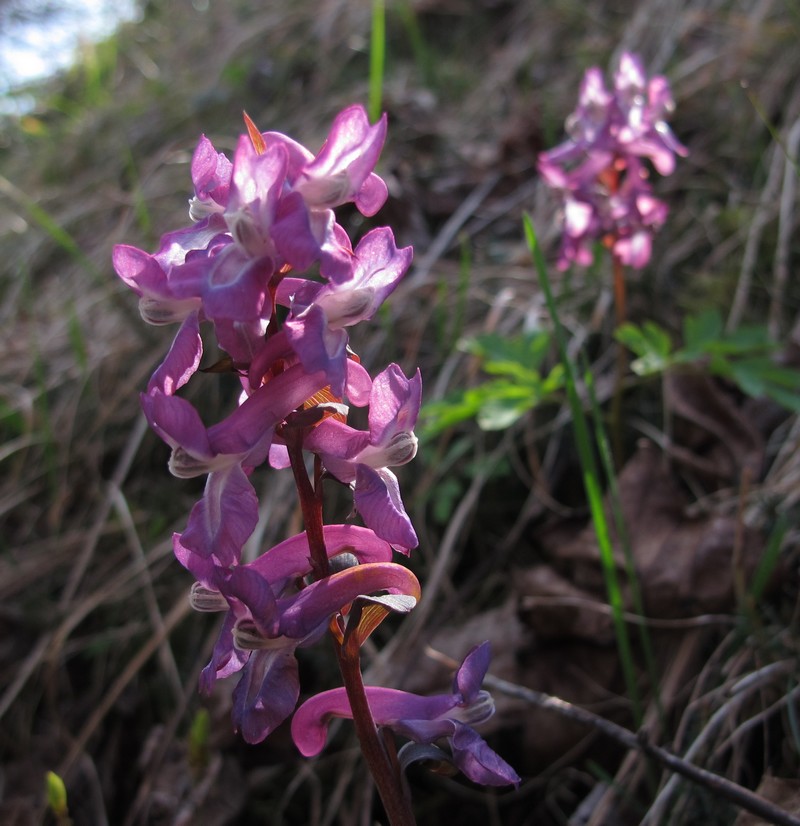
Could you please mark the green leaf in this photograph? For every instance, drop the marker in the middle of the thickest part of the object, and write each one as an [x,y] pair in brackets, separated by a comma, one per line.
[499,413]
[699,331]
[762,377]
[650,342]
[519,355]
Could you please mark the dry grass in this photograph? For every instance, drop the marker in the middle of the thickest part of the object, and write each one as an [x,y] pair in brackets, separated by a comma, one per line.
[99,655]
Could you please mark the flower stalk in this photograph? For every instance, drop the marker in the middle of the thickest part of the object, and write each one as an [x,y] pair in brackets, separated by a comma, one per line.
[384,770]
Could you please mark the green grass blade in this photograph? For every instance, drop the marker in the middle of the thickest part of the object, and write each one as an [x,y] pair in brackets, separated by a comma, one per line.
[377,59]
[44,221]
[769,560]
[607,461]
[423,58]
[591,477]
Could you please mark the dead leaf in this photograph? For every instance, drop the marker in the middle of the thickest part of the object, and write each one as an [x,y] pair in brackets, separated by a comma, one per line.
[782,791]
[712,437]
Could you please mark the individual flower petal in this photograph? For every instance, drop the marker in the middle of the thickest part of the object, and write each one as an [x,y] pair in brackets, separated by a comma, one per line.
[266,693]
[182,360]
[226,659]
[469,677]
[256,187]
[478,762]
[177,422]
[290,559]
[377,499]
[301,614]
[211,176]
[222,521]
[394,404]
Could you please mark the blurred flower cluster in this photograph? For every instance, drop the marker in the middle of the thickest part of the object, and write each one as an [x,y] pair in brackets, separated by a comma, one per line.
[266,269]
[600,169]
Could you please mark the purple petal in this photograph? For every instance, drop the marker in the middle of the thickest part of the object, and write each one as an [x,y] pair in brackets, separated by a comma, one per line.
[211,173]
[292,232]
[304,612]
[221,522]
[388,706]
[358,386]
[477,761]
[379,264]
[394,404]
[334,439]
[247,432]
[266,694]
[237,286]
[254,592]
[377,499]
[318,347]
[177,422]
[182,360]
[176,247]
[139,270]
[290,559]
[470,674]
[226,659]
[203,568]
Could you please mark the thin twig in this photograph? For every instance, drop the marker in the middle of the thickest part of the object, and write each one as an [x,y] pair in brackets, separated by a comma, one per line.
[103,511]
[179,611]
[763,214]
[780,273]
[740,692]
[449,231]
[168,664]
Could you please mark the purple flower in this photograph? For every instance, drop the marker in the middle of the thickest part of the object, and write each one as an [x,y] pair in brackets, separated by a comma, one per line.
[321,312]
[421,719]
[268,618]
[221,521]
[211,176]
[342,171]
[167,293]
[600,172]
[363,458]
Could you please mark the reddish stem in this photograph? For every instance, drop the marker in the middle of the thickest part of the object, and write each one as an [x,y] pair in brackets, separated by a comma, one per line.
[384,772]
[621,362]
[310,503]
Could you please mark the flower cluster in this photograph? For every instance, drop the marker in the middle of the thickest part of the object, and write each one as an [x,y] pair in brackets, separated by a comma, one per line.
[268,272]
[600,169]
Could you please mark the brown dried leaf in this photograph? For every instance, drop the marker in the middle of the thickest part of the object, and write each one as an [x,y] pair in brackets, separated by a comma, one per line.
[713,438]
[782,791]
[684,564]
